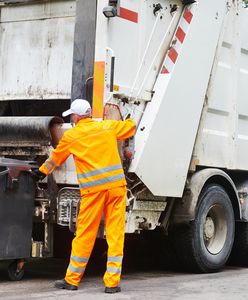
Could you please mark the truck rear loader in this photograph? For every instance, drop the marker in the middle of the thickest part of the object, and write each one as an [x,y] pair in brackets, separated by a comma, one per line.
[179,69]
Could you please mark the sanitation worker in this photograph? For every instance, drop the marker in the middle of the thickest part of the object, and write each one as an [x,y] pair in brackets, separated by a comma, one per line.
[102,183]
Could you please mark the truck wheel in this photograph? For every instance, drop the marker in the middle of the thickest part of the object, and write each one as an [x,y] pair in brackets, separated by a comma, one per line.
[14,273]
[240,247]
[205,244]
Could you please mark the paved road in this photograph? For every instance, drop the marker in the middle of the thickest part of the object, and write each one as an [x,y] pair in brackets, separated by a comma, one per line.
[231,284]
[143,280]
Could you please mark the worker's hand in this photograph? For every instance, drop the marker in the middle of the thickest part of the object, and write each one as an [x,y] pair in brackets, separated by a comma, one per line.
[36,174]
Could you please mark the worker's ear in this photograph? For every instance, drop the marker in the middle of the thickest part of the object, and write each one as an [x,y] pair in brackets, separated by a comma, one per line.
[74,119]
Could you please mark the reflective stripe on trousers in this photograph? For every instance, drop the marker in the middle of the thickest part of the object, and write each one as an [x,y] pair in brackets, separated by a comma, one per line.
[113,204]
[114,264]
[76,267]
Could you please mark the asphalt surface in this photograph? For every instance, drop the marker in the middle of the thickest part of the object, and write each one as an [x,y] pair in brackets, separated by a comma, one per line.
[143,278]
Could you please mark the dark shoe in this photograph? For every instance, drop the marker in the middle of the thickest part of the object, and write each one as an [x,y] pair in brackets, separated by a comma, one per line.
[62,284]
[112,290]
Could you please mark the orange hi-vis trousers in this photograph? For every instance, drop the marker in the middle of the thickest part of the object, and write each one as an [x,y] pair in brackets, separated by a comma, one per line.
[111,203]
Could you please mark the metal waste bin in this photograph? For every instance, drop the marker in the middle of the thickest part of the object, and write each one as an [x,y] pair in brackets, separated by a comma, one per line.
[17,194]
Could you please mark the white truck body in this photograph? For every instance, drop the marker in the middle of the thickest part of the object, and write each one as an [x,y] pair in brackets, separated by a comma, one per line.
[223,136]
[36,42]
[180,69]
[211,67]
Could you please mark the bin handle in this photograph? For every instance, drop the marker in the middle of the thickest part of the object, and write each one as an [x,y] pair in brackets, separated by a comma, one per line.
[4,172]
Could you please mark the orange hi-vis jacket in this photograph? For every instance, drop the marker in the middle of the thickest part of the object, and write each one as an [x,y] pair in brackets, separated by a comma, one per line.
[93,145]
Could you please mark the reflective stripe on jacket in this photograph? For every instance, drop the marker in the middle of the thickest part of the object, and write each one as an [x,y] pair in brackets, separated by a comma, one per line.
[93,145]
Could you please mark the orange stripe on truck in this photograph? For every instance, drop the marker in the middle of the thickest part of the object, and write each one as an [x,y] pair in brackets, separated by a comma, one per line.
[98,89]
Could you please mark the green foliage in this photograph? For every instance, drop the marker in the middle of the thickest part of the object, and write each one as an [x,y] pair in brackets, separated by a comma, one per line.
[246,2]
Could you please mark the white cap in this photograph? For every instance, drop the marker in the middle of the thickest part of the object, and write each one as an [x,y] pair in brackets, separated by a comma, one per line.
[79,107]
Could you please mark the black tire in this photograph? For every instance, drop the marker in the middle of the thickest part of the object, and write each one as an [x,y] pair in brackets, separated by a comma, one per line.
[239,255]
[13,274]
[205,244]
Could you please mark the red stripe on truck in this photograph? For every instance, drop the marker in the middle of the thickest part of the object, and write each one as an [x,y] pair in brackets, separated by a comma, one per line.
[164,70]
[173,55]
[128,15]
[188,16]
[178,39]
[180,34]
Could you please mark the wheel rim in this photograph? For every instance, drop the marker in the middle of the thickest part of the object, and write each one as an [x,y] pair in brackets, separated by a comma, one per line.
[215,229]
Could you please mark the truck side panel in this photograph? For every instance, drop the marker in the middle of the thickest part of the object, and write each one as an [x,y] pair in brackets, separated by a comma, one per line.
[36,45]
[167,132]
[225,118]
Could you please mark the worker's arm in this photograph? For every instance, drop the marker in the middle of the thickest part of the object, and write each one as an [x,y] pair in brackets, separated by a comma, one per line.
[57,157]
[124,129]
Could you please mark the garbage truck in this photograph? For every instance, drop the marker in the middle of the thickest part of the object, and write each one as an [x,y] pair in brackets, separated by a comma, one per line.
[179,68]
